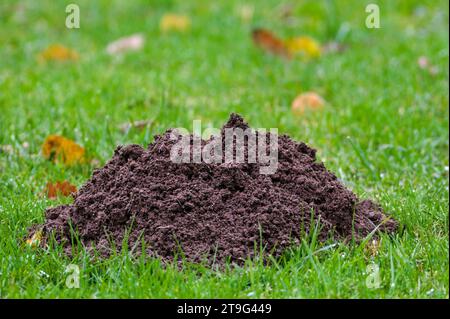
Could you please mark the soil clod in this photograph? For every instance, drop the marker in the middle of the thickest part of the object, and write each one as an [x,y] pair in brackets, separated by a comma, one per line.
[211,211]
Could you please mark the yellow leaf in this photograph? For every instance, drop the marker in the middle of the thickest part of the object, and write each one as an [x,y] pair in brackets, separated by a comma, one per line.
[57,52]
[305,101]
[174,22]
[35,240]
[304,46]
[60,149]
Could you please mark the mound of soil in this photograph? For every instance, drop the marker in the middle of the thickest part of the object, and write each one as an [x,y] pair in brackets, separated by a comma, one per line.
[211,211]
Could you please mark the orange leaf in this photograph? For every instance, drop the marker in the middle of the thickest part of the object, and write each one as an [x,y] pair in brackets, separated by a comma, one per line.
[57,52]
[53,190]
[308,100]
[267,41]
[60,149]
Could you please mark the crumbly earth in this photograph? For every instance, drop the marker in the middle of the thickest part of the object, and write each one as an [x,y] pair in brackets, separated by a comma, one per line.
[211,212]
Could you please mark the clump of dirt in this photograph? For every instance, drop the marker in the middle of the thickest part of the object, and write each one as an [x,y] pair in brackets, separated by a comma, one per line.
[212,212]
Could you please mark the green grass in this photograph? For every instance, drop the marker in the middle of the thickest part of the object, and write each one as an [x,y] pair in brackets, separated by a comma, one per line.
[384,132]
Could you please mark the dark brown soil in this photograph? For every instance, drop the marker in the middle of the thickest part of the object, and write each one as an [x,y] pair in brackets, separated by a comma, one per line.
[211,211]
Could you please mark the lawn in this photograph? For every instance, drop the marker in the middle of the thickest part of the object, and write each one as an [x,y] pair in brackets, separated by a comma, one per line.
[384,132]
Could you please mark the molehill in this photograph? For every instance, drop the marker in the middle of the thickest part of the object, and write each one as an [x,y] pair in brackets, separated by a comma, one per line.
[211,212]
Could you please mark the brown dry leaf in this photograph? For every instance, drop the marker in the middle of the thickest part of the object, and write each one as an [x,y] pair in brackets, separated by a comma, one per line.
[174,22]
[267,41]
[307,101]
[35,239]
[60,149]
[53,190]
[132,43]
[58,52]
[136,124]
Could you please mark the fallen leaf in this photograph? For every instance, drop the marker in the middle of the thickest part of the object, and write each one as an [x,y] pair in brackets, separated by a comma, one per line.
[267,41]
[174,22]
[304,46]
[53,190]
[136,124]
[60,149]
[58,52]
[131,43]
[307,101]
[35,239]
